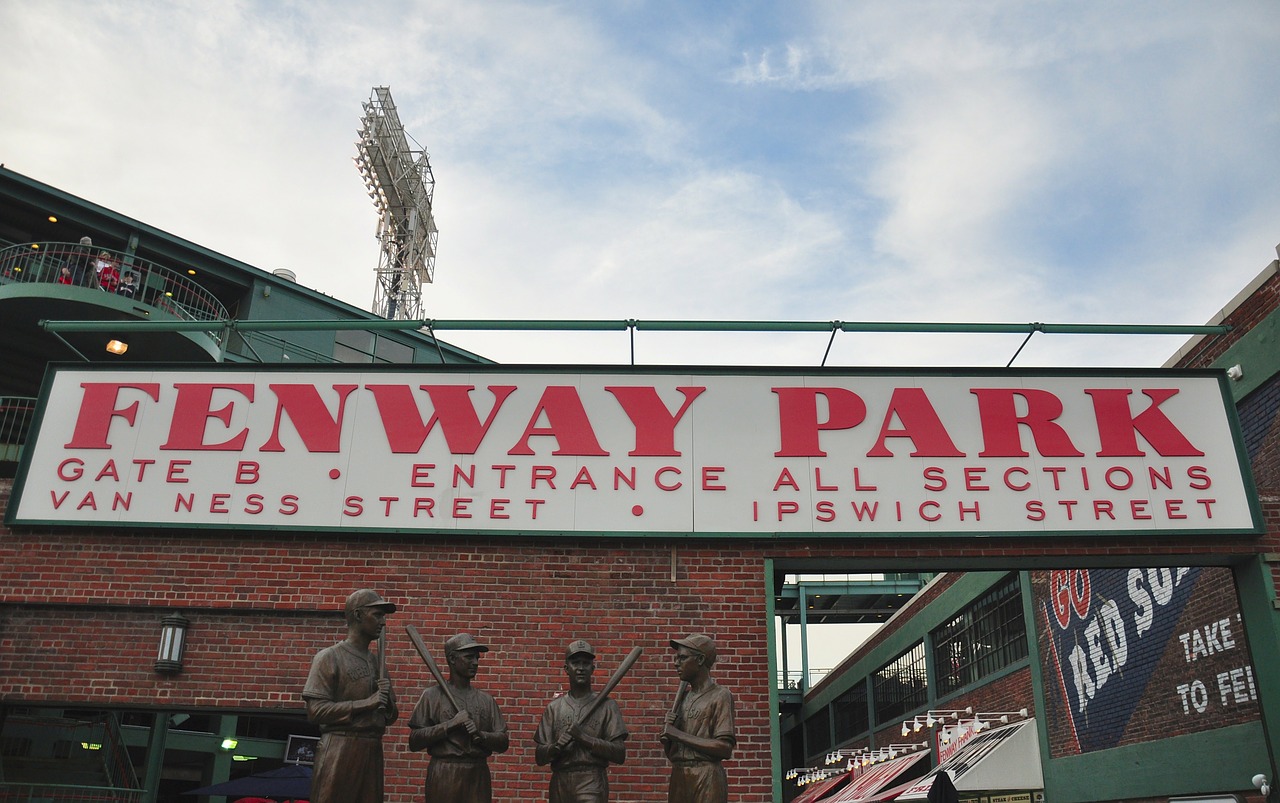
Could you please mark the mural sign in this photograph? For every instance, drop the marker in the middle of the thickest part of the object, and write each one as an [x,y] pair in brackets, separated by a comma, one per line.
[1141,654]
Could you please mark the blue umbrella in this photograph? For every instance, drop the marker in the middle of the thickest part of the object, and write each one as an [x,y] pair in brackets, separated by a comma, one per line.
[291,782]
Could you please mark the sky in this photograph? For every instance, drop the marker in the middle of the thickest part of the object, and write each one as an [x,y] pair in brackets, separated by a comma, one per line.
[1082,162]
[1001,161]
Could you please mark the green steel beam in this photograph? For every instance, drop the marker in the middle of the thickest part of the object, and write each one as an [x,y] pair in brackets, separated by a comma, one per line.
[814,587]
[639,325]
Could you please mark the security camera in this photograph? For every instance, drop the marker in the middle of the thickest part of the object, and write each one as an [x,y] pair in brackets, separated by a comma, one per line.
[1260,782]
[1235,373]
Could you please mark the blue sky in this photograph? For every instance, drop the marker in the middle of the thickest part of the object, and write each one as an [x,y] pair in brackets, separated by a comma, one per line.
[1081,162]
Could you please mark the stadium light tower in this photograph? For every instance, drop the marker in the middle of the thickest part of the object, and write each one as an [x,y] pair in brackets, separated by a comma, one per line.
[397,174]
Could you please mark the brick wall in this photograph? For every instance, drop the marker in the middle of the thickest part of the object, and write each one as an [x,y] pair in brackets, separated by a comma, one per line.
[81,613]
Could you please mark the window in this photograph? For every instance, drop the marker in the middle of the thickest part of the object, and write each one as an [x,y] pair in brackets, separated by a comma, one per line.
[353,346]
[985,637]
[817,732]
[851,714]
[902,685]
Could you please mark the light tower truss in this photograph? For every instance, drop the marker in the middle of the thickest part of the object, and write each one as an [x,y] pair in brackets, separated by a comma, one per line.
[397,174]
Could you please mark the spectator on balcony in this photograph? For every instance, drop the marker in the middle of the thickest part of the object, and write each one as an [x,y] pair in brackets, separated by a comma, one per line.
[82,263]
[108,272]
[64,275]
[127,288]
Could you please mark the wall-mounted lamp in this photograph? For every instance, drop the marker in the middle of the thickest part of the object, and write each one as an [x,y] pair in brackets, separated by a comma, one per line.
[229,743]
[931,718]
[117,346]
[982,719]
[1262,785]
[173,640]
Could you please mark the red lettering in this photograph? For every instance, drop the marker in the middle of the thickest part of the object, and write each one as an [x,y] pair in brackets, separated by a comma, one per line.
[468,477]
[460,508]
[1008,481]
[583,478]
[786,479]
[1118,427]
[97,408]
[920,424]
[1001,423]
[218,503]
[192,410]
[798,420]
[108,471]
[935,479]
[567,422]
[545,474]
[319,431]
[972,478]
[657,478]
[76,472]
[402,420]
[711,480]
[177,468]
[246,472]
[418,475]
[654,424]
[826,511]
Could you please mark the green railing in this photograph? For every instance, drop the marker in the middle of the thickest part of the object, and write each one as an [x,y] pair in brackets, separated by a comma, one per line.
[108,271]
[15,419]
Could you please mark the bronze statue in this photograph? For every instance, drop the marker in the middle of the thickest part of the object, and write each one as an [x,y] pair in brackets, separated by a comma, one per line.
[581,733]
[699,732]
[460,726]
[349,696]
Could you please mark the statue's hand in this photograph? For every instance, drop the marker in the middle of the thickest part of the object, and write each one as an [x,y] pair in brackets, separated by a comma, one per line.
[464,721]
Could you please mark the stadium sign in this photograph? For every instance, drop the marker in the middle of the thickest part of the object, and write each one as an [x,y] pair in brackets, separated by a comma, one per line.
[716,451]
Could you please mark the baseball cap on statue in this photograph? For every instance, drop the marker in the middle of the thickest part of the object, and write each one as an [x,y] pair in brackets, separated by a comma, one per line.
[698,642]
[368,598]
[579,647]
[462,641]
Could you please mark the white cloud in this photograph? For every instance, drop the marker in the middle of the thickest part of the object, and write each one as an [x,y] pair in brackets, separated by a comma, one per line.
[870,161]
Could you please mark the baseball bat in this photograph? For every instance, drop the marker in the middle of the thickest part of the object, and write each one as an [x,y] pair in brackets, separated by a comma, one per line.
[382,657]
[431,666]
[614,679]
[675,707]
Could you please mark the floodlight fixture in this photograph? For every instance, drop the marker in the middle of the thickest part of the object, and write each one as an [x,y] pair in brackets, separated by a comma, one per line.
[397,175]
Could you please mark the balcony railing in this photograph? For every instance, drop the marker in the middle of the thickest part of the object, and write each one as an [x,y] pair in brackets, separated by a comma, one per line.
[108,271]
[791,679]
[16,413]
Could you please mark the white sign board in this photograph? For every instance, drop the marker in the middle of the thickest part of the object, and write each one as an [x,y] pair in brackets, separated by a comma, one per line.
[729,451]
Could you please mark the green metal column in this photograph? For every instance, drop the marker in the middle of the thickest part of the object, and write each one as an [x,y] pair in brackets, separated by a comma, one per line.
[1255,584]
[155,756]
[804,642]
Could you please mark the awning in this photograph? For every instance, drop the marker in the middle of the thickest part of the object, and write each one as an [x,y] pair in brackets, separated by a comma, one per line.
[867,784]
[816,791]
[1005,758]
